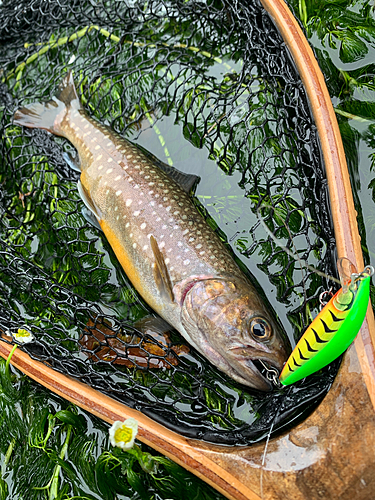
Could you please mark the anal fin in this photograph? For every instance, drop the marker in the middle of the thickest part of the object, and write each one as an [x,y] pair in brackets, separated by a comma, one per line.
[162,278]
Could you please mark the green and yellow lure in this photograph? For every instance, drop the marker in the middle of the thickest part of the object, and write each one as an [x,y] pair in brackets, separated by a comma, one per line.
[333,330]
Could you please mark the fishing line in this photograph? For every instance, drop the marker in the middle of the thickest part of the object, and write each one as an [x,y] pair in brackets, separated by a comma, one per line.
[266,444]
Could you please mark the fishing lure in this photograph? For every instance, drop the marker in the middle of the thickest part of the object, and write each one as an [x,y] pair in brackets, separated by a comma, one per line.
[334,329]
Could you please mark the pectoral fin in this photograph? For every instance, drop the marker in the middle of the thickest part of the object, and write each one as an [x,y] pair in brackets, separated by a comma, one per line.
[91,218]
[87,200]
[73,163]
[161,274]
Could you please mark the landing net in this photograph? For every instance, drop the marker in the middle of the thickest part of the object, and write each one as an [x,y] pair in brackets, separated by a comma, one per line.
[209,87]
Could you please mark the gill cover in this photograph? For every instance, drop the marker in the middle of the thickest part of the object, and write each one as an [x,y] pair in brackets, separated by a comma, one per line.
[334,329]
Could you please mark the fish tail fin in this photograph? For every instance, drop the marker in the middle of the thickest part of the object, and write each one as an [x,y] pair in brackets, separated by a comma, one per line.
[50,115]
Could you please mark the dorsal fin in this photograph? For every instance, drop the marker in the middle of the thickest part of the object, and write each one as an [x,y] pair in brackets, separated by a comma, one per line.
[187,182]
[162,278]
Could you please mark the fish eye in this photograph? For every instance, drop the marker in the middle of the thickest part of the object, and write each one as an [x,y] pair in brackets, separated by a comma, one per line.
[260,329]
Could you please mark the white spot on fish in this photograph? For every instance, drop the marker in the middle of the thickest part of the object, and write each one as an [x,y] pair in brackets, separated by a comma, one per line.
[168,208]
[118,178]
[131,235]
[136,213]
[147,176]
[117,218]
[198,246]
[134,245]
[140,202]
[109,160]
[165,199]
[170,250]
[128,156]
[176,212]
[110,143]
[191,239]
[202,253]
[100,167]
[107,191]
[162,244]
[165,190]
[184,217]
[212,257]
[109,170]
[164,226]
[129,202]
[158,219]
[179,244]
[145,247]
[143,226]
[167,261]
[186,262]
[127,224]
[97,147]
[185,232]
[151,183]
[116,208]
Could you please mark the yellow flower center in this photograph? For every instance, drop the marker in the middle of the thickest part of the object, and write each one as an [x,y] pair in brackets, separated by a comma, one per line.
[123,434]
[21,332]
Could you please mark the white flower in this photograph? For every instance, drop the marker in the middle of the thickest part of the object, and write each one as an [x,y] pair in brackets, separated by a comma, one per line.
[122,434]
[23,336]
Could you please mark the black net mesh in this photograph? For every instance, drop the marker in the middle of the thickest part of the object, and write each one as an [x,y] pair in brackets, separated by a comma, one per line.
[209,87]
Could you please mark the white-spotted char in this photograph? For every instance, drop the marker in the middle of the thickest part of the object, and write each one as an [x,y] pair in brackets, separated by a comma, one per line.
[169,252]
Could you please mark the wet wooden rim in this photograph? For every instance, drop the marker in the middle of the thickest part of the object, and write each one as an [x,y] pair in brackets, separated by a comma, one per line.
[344,215]
[237,472]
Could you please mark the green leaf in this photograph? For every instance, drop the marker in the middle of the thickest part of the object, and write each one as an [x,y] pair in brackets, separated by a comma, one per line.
[3,489]
[352,48]
[136,483]
[70,418]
